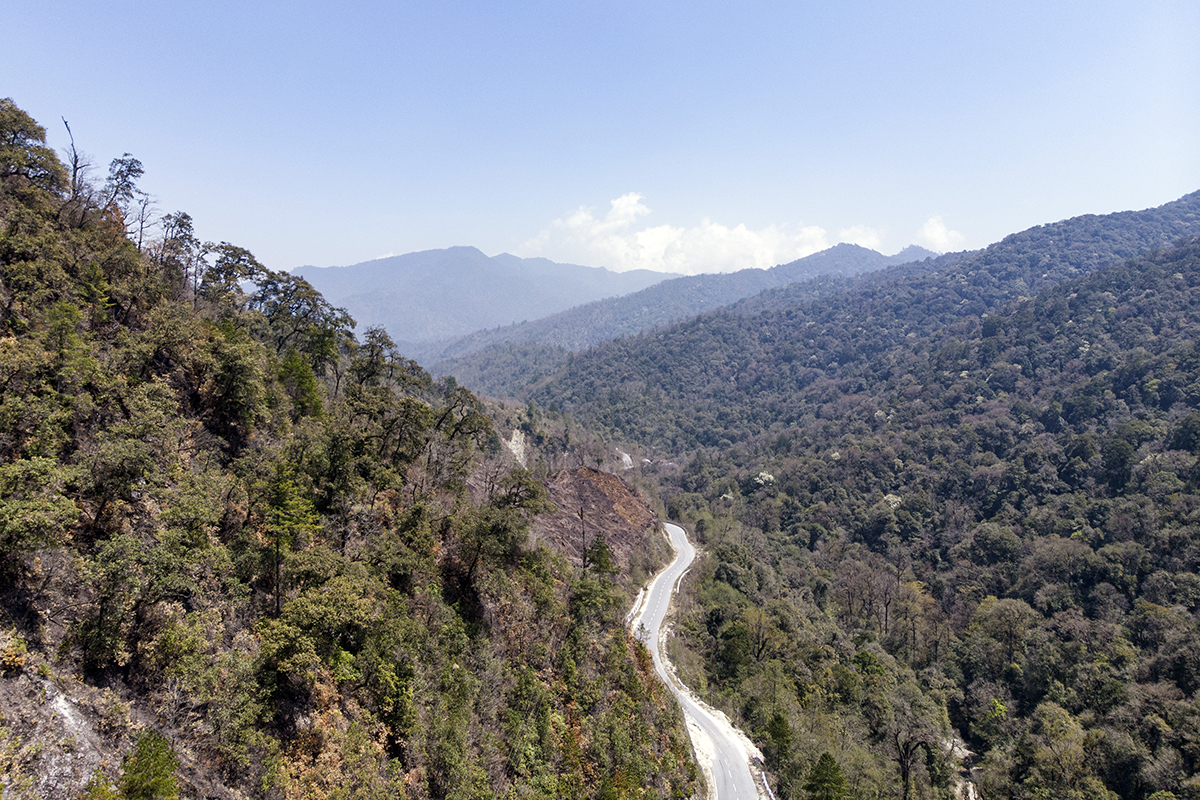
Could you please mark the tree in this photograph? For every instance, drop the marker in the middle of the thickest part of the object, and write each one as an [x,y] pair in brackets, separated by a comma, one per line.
[998,631]
[148,771]
[222,282]
[1118,464]
[598,557]
[460,427]
[826,781]
[1186,435]
[521,489]
[25,160]
[1059,754]
[289,515]
[911,727]
[340,759]
[301,385]
[300,317]
[179,254]
[33,511]
[120,191]
[234,392]
[99,787]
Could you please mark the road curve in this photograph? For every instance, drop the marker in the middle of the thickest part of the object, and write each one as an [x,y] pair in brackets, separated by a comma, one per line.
[723,752]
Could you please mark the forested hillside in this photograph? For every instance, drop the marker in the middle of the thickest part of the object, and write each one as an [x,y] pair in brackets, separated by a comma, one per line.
[503,362]
[993,537]
[514,368]
[948,515]
[245,553]
[734,373]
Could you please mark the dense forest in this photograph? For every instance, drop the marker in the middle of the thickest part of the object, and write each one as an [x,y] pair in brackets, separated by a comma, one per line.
[247,553]
[949,514]
[950,518]
[725,376]
[504,361]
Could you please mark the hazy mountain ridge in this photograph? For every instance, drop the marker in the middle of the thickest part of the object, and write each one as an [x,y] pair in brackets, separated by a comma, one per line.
[437,294]
[670,301]
[1024,263]
[471,356]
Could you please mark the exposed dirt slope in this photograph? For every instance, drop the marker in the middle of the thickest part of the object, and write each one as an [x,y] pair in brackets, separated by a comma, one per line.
[611,507]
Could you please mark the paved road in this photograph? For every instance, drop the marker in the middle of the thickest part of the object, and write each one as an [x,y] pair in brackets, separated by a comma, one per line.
[729,767]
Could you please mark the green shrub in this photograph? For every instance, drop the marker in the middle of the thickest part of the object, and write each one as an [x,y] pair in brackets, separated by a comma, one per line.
[148,771]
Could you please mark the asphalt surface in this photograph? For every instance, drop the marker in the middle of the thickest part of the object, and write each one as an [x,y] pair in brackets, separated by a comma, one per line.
[729,766]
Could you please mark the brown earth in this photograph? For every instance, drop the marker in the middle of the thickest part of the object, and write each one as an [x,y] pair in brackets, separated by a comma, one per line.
[611,507]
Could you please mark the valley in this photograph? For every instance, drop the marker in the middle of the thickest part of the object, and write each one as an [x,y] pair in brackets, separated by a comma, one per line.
[945,508]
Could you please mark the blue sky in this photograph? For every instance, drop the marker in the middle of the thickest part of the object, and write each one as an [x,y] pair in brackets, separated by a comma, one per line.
[684,136]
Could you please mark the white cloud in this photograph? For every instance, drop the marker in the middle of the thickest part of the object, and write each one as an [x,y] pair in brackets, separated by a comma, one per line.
[862,236]
[619,241]
[936,236]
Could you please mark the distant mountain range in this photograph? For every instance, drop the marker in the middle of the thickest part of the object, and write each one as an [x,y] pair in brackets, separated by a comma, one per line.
[666,302]
[436,295]
[440,305]
[501,361]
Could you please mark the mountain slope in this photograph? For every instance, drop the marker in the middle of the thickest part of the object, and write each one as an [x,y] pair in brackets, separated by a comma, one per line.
[244,554]
[473,359]
[436,294]
[670,301]
[730,374]
[986,531]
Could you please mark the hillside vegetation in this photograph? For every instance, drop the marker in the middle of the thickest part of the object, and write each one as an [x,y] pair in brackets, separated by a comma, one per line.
[503,362]
[949,514]
[738,372]
[245,553]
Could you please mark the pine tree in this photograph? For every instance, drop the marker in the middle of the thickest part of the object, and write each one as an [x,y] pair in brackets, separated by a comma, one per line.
[148,771]
[826,781]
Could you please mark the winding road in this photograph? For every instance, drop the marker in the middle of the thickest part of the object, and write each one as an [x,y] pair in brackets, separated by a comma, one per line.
[723,751]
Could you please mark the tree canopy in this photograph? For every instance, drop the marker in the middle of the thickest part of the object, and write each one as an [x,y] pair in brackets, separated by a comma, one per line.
[222,512]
